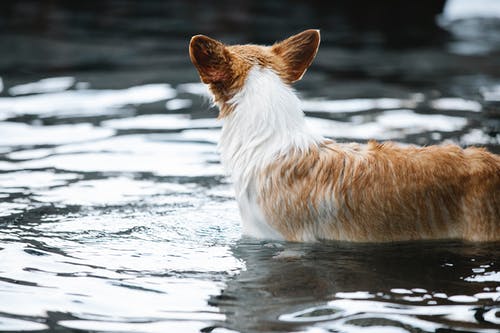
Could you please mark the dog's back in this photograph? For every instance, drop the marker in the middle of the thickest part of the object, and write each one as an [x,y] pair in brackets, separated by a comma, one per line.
[293,184]
[383,192]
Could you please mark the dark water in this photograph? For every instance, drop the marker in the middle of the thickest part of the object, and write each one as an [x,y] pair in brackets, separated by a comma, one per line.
[116,216]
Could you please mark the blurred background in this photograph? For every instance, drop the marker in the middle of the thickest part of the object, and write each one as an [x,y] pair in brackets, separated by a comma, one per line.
[419,51]
[116,216]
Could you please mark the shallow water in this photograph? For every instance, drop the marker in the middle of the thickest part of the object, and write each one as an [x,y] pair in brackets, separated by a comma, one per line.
[116,215]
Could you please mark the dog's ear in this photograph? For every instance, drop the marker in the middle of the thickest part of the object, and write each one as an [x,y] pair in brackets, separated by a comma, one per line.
[297,52]
[210,58]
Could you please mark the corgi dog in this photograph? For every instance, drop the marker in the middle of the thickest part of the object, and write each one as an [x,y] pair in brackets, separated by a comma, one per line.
[292,184]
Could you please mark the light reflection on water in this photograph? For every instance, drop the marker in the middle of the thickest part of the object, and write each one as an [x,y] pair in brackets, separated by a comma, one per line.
[341,287]
[116,215]
[129,224]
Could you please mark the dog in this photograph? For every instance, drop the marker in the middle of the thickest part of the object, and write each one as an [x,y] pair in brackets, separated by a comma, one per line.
[292,184]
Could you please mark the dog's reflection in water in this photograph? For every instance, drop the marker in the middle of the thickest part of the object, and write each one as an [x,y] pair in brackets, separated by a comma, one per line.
[280,279]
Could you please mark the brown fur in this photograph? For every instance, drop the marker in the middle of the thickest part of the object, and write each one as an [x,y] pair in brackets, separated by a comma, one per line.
[383,192]
[377,192]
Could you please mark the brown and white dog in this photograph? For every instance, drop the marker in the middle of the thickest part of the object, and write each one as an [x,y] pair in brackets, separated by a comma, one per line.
[294,185]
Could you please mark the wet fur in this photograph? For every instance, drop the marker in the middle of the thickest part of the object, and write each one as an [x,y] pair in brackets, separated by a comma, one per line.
[383,192]
[291,184]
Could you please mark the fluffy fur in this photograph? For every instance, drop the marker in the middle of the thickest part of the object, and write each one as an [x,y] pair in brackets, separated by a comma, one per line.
[292,184]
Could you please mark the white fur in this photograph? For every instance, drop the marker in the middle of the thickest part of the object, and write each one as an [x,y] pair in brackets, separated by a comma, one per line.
[267,121]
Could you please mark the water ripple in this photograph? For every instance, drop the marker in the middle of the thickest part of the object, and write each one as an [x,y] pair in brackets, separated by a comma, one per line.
[116,215]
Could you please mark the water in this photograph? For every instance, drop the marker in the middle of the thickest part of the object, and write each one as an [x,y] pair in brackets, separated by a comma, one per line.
[116,216]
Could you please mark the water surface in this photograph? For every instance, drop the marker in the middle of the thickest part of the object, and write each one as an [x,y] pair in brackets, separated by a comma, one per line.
[116,215]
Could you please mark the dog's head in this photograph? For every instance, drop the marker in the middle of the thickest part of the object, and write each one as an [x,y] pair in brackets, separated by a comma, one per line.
[225,67]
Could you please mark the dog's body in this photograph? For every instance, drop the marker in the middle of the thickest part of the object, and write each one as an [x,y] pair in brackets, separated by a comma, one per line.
[292,184]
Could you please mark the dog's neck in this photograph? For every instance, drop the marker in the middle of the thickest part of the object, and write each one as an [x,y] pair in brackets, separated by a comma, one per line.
[266,122]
